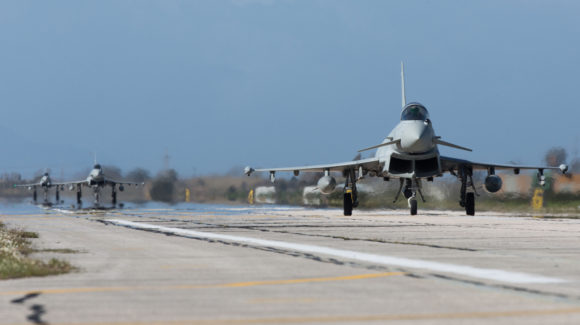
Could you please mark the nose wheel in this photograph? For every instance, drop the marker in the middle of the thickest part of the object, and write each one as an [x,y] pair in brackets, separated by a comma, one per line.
[97,195]
[410,190]
[413,206]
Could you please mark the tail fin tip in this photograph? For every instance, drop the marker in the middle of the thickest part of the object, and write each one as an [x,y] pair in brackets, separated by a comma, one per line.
[403,97]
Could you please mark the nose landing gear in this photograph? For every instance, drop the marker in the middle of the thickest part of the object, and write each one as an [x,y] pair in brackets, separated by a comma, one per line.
[412,186]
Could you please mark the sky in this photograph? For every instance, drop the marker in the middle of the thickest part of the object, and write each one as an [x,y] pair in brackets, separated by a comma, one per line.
[219,85]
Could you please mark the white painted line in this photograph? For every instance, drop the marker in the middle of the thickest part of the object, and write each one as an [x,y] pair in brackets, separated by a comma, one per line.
[490,274]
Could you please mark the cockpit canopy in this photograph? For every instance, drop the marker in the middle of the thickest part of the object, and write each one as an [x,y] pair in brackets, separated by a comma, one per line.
[414,112]
[97,166]
[45,174]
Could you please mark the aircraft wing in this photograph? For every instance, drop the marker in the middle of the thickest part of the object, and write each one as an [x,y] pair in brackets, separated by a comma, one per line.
[26,185]
[368,164]
[69,183]
[116,182]
[448,163]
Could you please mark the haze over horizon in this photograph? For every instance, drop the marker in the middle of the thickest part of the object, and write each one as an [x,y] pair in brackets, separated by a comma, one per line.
[219,84]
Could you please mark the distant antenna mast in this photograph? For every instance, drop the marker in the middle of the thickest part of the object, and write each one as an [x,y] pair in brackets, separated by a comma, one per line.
[166,160]
[403,98]
[95,156]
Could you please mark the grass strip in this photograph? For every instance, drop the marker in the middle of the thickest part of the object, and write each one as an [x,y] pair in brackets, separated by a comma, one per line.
[15,246]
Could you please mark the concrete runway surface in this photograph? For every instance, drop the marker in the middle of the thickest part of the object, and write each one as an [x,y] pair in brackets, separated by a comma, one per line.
[197,264]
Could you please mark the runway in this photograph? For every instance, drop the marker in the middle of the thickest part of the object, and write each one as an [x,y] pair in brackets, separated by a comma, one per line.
[203,264]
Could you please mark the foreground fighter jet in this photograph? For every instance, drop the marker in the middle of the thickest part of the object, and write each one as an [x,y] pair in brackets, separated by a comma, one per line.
[45,183]
[97,180]
[410,154]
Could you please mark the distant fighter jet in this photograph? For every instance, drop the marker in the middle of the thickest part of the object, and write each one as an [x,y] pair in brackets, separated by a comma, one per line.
[45,183]
[410,154]
[97,180]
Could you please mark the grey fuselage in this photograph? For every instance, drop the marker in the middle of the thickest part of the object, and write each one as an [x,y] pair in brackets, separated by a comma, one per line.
[96,176]
[45,181]
[415,154]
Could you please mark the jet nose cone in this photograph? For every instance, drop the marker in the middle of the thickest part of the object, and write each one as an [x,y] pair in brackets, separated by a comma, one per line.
[418,137]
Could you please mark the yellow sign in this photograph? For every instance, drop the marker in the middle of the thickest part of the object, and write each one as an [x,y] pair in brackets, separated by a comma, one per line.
[538,199]
[251,197]
[187,195]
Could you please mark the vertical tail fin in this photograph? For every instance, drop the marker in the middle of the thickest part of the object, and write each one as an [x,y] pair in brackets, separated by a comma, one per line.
[403,98]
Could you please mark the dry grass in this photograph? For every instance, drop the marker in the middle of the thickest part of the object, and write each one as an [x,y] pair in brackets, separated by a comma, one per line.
[15,246]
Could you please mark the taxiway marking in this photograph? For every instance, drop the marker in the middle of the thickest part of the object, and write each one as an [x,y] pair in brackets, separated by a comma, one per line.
[464,270]
[207,286]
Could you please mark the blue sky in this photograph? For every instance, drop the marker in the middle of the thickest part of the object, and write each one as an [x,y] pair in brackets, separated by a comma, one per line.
[220,84]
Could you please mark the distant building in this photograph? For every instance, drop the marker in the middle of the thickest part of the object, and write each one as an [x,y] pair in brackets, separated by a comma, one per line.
[567,184]
[311,196]
[265,195]
[515,184]
[522,184]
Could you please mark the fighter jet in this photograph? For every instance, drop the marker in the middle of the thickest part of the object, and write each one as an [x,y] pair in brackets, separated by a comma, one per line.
[45,183]
[97,180]
[410,153]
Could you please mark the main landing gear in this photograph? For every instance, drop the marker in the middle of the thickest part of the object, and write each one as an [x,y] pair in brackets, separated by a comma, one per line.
[410,187]
[350,197]
[97,195]
[114,195]
[467,199]
[79,196]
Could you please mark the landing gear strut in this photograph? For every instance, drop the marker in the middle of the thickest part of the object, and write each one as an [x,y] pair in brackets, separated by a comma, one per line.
[34,195]
[467,199]
[412,186]
[97,195]
[79,196]
[350,199]
[114,195]
[57,195]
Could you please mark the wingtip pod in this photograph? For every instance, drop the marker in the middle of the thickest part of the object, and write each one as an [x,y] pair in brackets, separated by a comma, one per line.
[564,168]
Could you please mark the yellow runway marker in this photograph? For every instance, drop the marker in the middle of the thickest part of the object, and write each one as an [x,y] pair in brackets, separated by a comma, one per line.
[299,300]
[206,286]
[353,318]
[296,281]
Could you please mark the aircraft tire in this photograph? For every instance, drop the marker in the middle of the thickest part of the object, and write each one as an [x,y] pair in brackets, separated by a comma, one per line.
[347,204]
[470,204]
[413,203]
